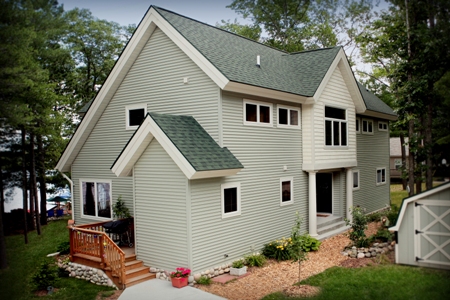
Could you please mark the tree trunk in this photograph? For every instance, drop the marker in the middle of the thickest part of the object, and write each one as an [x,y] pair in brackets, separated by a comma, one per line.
[3,261]
[34,184]
[24,187]
[42,181]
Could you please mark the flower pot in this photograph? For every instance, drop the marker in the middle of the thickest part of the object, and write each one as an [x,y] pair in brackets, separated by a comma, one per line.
[238,271]
[179,282]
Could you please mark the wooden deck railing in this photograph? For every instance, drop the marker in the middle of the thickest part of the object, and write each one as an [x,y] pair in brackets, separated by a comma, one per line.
[91,239]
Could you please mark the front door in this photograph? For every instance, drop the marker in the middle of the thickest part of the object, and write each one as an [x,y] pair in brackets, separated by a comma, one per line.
[324,192]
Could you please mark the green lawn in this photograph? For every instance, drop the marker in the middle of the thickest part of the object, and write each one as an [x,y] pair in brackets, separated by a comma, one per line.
[378,282]
[23,259]
[397,194]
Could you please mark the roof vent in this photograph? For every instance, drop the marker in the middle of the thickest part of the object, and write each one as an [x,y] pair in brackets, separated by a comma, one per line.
[258,61]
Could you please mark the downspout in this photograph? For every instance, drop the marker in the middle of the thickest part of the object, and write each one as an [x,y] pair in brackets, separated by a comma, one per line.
[71,190]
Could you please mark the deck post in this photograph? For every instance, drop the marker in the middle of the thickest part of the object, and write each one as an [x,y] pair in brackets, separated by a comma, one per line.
[72,245]
[102,251]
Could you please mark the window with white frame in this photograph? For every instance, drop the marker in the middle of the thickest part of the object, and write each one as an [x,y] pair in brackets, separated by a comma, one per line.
[398,163]
[288,117]
[367,126]
[335,126]
[381,176]
[356,179]
[382,126]
[286,190]
[96,198]
[358,125]
[231,199]
[257,113]
[134,114]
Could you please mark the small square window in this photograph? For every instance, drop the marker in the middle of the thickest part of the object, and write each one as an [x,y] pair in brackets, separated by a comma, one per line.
[257,113]
[231,200]
[382,126]
[286,190]
[134,114]
[288,117]
[381,176]
[367,126]
[356,179]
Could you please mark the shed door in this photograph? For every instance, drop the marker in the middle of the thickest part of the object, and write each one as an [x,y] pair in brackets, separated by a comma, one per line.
[432,232]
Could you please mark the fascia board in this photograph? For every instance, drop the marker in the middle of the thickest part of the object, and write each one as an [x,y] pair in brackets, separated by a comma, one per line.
[204,64]
[117,74]
[415,198]
[215,173]
[329,165]
[263,92]
[379,115]
[341,61]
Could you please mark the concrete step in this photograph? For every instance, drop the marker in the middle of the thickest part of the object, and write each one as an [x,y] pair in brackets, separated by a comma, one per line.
[328,221]
[330,227]
[138,279]
[129,265]
[332,232]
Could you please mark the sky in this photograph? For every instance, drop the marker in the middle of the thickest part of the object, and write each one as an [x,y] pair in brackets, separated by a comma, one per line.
[132,11]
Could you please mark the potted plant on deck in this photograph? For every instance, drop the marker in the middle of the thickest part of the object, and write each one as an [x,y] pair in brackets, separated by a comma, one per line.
[238,268]
[180,277]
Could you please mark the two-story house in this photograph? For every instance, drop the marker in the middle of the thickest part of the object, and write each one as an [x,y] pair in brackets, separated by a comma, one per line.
[215,141]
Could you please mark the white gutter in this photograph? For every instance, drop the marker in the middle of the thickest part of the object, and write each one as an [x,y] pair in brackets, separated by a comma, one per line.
[71,190]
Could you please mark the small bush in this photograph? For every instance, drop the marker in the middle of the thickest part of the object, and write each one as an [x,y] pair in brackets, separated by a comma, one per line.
[255,260]
[278,249]
[205,280]
[309,243]
[358,225]
[238,264]
[45,276]
[63,248]
[392,214]
[384,235]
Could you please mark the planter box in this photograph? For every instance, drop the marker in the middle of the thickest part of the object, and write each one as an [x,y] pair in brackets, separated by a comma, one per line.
[179,282]
[238,271]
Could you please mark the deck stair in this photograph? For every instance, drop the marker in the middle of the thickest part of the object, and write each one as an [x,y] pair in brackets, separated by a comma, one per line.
[135,271]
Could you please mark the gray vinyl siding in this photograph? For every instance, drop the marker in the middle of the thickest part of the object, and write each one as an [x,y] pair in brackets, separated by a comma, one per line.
[156,78]
[372,153]
[161,215]
[264,152]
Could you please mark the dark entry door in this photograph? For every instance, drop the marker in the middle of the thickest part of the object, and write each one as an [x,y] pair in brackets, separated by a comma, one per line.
[324,192]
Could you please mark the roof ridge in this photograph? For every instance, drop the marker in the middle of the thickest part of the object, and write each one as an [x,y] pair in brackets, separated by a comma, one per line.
[313,50]
[218,28]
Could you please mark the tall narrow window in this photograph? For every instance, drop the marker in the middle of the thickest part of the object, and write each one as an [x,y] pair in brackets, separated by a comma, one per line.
[356,179]
[134,114]
[286,190]
[335,127]
[367,126]
[96,198]
[231,199]
[381,176]
[358,125]
[257,113]
[288,117]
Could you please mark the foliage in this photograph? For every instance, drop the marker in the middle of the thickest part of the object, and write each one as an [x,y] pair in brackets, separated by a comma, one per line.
[252,32]
[205,280]
[309,243]
[384,234]
[180,273]
[240,263]
[358,225]
[120,211]
[255,260]
[63,247]
[278,249]
[45,276]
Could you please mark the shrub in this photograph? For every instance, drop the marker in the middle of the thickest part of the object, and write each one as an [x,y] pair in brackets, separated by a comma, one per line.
[309,243]
[238,264]
[255,260]
[204,280]
[392,214]
[358,225]
[278,249]
[63,248]
[45,276]
[384,235]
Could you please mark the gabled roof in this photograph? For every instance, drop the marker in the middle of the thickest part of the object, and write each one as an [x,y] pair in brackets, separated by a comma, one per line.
[376,105]
[187,143]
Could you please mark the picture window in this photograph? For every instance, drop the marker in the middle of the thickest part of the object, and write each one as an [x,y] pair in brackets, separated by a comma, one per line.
[335,126]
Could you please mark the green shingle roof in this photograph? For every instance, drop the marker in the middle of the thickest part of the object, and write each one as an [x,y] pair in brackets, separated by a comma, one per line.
[196,145]
[373,102]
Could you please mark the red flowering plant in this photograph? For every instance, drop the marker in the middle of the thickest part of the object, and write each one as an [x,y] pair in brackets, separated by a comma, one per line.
[180,273]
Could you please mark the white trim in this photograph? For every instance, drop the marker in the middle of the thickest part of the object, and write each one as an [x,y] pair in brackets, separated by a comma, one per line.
[95,181]
[385,176]
[332,120]
[362,126]
[258,105]
[384,126]
[358,122]
[224,186]
[353,180]
[291,180]
[288,125]
[416,198]
[376,114]
[127,115]
[329,165]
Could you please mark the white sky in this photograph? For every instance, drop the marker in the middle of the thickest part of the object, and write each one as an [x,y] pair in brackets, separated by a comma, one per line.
[132,11]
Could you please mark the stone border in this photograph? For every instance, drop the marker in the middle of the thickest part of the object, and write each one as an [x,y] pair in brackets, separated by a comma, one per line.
[373,251]
[93,275]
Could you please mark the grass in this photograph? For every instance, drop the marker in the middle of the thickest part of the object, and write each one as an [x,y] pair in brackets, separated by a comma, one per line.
[23,259]
[398,194]
[378,282]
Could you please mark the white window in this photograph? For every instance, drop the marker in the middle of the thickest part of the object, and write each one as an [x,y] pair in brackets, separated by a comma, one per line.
[288,117]
[356,179]
[335,126]
[382,126]
[381,176]
[96,198]
[134,114]
[367,126]
[231,199]
[398,163]
[358,125]
[257,113]
[286,190]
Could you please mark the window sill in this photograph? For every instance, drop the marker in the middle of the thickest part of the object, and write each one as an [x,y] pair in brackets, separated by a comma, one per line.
[286,203]
[258,124]
[336,147]
[230,215]
[288,126]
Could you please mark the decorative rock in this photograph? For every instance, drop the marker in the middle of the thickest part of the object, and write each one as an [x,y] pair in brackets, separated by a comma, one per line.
[206,272]
[221,272]
[216,272]
[191,279]
[373,253]
[367,254]
[376,244]
[153,270]
[197,276]
[361,255]
[227,270]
